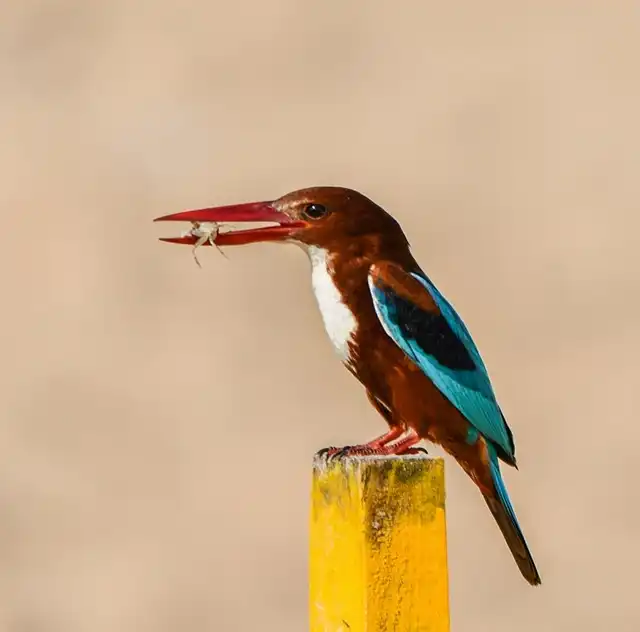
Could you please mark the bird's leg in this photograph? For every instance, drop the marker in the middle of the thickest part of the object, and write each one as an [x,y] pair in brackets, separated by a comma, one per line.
[374,444]
[376,447]
[405,445]
[387,437]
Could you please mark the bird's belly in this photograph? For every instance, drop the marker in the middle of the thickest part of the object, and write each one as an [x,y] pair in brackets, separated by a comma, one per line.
[339,321]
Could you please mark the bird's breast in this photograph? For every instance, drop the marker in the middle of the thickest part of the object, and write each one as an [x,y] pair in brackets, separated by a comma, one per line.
[339,321]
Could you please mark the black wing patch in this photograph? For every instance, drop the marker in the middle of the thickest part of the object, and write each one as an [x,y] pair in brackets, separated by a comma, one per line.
[434,335]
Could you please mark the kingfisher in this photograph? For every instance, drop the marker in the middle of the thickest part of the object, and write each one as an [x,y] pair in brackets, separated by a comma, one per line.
[393,330]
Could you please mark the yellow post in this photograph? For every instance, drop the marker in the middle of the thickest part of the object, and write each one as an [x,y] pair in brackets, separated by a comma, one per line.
[378,549]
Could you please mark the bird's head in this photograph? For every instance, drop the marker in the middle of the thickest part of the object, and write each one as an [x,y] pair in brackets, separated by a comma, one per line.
[331,218]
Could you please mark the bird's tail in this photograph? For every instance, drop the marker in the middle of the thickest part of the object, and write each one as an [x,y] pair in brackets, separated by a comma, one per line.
[505,516]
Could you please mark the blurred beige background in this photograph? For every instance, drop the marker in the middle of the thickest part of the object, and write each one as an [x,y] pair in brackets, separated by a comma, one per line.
[158,421]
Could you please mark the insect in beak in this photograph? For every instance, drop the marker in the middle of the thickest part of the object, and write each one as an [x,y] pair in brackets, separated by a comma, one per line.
[205,233]
[206,223]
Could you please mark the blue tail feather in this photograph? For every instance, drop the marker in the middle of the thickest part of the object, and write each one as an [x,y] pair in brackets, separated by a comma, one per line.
[501,491]
[504,514]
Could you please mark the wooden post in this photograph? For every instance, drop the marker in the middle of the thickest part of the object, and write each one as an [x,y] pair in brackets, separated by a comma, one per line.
[378,547]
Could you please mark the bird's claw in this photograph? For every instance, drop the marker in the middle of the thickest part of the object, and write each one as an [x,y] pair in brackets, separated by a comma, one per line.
[333,453]
[415,451]
[358,450]
[328,454]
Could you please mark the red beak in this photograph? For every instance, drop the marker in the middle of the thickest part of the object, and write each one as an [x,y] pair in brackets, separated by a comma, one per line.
[252,212]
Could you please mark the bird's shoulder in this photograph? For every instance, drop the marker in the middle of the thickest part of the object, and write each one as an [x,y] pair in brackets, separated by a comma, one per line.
[391,276]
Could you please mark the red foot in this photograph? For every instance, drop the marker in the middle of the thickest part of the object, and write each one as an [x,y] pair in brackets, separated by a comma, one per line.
[352,450]
[374,448]
[382,440]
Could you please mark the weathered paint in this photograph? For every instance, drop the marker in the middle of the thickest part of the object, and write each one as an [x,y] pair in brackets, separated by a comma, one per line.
[378,546]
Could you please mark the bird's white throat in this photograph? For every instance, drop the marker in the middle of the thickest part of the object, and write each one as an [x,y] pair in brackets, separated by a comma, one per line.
[339,320]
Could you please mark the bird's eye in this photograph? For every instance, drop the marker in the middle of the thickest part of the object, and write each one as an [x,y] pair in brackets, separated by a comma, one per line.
[315,211]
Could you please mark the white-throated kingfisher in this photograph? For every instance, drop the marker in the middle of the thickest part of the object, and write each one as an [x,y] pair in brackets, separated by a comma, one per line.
[394,331]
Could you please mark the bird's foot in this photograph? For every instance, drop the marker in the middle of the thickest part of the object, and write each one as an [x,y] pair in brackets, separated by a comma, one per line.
[350,450]
[374,448]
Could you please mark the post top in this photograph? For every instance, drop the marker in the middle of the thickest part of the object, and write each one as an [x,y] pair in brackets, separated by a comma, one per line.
[323,464]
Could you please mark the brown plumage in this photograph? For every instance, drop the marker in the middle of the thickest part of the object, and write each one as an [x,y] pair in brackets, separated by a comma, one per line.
[359,251]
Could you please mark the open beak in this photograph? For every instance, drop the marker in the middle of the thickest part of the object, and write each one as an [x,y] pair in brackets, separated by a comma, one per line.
[253,212]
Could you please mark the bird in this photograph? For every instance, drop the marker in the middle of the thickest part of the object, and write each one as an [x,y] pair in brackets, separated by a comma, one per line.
[394,331]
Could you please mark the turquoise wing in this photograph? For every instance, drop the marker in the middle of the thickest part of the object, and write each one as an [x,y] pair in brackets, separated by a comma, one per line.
[431,333]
